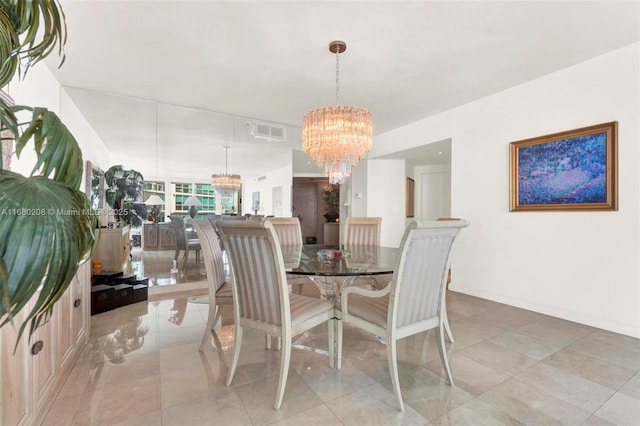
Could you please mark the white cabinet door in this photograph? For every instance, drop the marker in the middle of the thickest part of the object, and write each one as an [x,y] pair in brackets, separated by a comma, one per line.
[44,361]
[15,392]
[434,195]
[72,317]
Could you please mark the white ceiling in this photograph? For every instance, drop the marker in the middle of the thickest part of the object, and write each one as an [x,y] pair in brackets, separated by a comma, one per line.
[214,66]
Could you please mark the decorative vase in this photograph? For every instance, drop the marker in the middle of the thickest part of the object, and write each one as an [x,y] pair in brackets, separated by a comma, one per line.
[193,211]
[331,217]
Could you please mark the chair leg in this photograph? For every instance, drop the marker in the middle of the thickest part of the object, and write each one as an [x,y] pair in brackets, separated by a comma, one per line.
[236,355]
[267,342]
[285,357]
[392,359]
[208,331]
[447,327]
[186,257]
[443,354]
[175,257]
[218,315]
[332,342]
[338,344]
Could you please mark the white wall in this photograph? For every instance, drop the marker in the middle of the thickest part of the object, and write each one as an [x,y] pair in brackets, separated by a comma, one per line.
[93,149]
[581,266]
[278,177]
[386,181]
[40,88]
[359,188]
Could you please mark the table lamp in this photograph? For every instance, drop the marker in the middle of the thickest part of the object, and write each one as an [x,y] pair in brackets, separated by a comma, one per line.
[193,203]
[154,201]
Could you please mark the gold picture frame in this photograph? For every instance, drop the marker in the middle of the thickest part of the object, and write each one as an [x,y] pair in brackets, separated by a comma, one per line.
[410,205]
[572,170]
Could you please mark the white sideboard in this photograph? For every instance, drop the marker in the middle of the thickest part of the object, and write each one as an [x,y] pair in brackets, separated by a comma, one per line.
[31,378]
[113,248]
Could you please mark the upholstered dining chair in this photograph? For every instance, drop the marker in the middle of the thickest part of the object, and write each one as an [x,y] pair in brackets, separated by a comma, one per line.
[287,229]
[413,301]
[220,291]
[182,241]
[289,235]
[447,327]
[360,231]
[212,218]
[261,296]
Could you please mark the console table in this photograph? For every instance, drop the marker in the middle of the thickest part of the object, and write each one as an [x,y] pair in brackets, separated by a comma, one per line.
[158,236]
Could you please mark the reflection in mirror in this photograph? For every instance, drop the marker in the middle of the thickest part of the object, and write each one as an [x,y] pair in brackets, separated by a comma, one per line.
[95,186]
[177,149]
[116,344]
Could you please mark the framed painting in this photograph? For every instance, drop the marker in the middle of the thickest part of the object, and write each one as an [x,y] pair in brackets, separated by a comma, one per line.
[571,170]
[411,186]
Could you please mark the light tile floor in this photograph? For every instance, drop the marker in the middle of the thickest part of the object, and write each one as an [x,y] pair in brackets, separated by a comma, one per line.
[511,366]
[158,267]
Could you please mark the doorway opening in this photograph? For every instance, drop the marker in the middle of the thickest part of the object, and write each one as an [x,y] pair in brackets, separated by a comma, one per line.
[308,206]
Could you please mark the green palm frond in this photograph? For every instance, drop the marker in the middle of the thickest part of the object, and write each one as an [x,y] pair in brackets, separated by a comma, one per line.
[46,227]
[42,26]
[9,42]
[58,153]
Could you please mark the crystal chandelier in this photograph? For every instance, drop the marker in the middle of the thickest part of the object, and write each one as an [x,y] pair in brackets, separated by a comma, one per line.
[227,185]
[337,138]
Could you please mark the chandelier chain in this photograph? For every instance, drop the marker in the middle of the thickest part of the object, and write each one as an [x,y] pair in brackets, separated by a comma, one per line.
[337,76]
[226,160]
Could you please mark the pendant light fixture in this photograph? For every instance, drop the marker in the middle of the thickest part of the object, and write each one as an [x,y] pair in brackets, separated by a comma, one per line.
[154,201]
[337,138]
[226,184]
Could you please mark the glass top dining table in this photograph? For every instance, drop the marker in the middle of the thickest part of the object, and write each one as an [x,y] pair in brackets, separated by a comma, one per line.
[332,267]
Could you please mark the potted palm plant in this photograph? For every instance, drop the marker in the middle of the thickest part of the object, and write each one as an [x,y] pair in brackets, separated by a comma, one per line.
[331,197]
[46,225]
[124,195]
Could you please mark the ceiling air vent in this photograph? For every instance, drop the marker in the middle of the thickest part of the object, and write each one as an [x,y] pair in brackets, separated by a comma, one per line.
[267,131]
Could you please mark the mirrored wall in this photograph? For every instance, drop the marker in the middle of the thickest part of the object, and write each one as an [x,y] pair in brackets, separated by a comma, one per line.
[177,149]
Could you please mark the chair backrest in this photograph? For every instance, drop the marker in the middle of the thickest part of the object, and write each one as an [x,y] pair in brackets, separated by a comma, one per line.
[362,231]
[287,229]
[213,217]
[178,226]
[420,276]
[211,253]
[260,286]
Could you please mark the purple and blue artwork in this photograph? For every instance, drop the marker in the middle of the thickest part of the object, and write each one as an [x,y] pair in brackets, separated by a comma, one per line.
[567,171]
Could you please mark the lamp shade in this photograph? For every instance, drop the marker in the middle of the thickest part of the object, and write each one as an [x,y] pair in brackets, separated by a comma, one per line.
[193,201]
[154,200]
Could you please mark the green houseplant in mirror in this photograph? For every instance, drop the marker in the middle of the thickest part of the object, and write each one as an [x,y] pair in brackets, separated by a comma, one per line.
[331,197]
[124,195]
[46,223]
